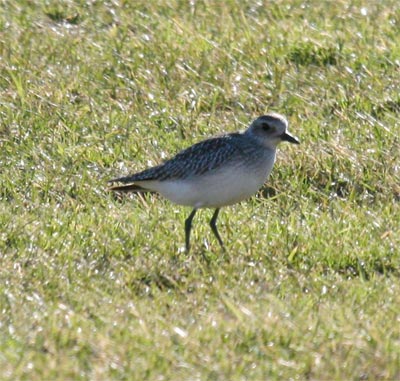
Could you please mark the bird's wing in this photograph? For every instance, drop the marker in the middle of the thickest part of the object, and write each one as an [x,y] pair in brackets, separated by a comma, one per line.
[195,160]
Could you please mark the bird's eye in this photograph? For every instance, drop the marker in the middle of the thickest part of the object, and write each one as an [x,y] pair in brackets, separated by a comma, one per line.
[266,127]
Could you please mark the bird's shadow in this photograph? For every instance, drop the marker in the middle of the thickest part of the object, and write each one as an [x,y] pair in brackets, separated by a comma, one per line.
[266,192]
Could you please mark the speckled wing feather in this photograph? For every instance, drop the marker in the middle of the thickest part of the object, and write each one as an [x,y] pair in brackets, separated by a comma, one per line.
[195,160]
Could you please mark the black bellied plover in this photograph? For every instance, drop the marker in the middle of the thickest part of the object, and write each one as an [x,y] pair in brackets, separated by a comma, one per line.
[216,172]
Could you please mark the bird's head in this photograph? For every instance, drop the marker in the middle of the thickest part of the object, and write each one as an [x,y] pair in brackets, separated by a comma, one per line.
[271,129]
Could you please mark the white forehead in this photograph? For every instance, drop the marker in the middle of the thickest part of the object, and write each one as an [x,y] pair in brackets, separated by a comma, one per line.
[278,121]
[275,118]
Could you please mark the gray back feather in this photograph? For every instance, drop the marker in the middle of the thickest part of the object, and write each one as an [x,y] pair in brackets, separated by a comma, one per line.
[202,157]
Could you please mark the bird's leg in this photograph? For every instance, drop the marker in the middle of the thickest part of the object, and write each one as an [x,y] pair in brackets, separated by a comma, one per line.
[214,227]
[188,227]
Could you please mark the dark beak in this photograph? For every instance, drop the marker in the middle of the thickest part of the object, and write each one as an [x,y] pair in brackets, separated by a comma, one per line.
[289,138]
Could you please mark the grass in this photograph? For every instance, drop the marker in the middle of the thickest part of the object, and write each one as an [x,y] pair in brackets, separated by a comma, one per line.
[95,288]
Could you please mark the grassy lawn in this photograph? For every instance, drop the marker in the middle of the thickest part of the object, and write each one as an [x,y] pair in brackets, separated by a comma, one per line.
[94,287]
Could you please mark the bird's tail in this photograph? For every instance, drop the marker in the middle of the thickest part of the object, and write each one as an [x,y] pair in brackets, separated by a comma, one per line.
[128,188]
[125,180]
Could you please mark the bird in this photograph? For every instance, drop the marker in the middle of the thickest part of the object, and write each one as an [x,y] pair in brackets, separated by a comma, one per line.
[216,172]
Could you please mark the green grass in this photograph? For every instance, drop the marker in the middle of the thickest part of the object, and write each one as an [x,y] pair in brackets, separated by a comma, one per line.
[96,288]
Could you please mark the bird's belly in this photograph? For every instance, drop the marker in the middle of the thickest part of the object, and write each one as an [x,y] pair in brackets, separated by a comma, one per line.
[223,187]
